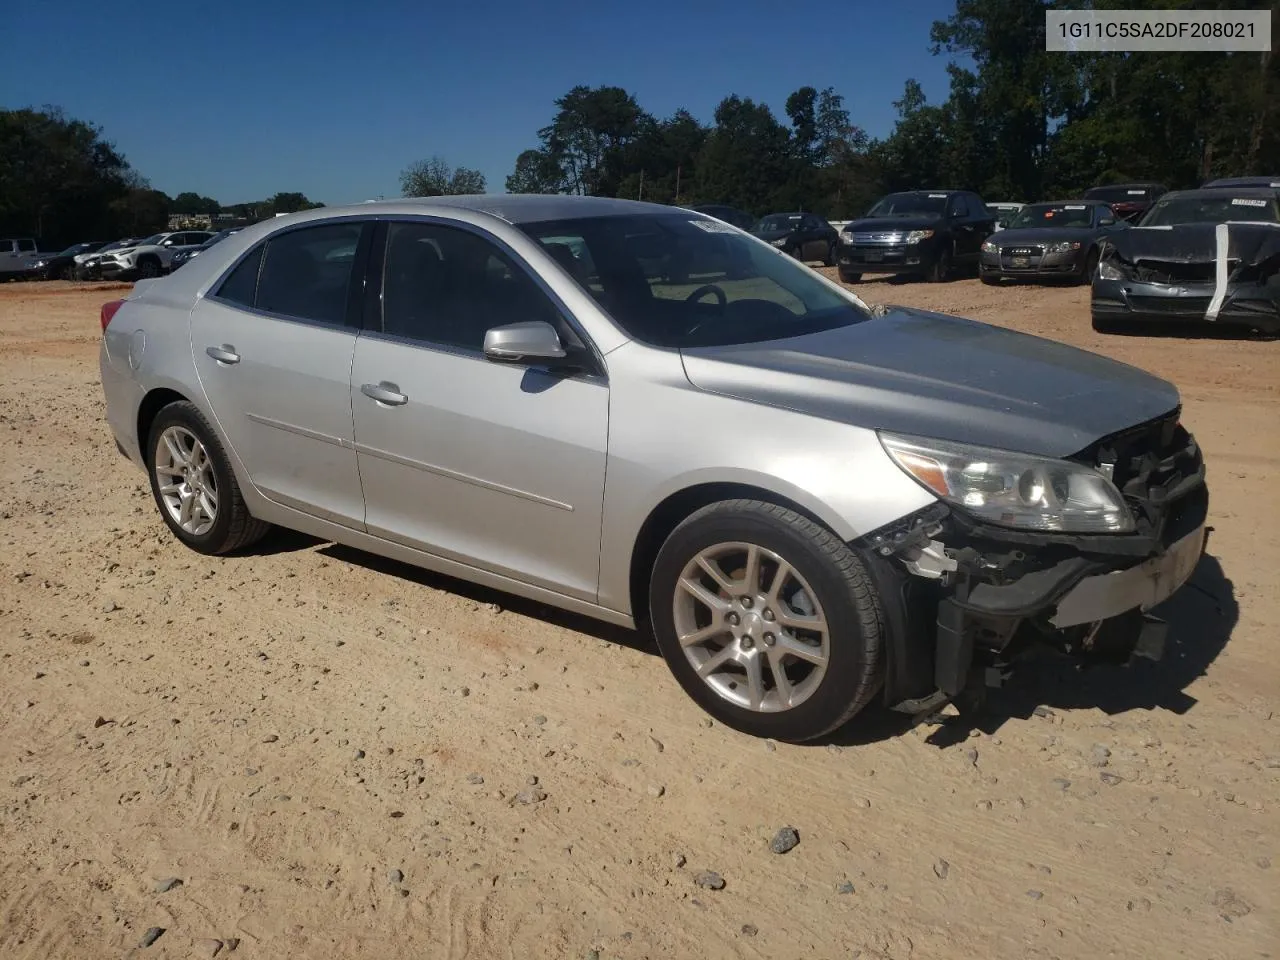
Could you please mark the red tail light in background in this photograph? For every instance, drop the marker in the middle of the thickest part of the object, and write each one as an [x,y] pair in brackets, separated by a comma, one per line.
[108,311]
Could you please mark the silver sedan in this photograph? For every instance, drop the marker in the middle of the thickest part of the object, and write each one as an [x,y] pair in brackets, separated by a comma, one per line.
[643,414]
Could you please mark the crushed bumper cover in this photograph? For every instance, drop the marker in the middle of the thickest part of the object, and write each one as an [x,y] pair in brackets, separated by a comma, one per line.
[1007,587]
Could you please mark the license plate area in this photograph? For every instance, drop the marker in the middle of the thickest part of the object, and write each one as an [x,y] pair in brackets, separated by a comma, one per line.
[1021,262]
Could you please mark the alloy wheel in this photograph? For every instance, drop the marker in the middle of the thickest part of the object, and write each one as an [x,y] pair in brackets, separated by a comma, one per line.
[751,627]
[186,481]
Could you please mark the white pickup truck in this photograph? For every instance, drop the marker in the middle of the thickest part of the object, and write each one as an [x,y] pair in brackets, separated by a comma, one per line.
[16,258]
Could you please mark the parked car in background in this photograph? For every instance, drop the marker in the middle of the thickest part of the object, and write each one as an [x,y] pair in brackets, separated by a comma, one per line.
[182,256]
[1049,241]
[805,236]
[812,505]
[1197,255]
[925,232]
[87,266]
[150,258]
[61,266]
[1003,211]
[1128,200]
[16,258]
[1266,183]
[739,218]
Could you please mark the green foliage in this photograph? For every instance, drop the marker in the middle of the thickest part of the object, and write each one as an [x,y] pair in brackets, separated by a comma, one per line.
[189,202]
[435,178]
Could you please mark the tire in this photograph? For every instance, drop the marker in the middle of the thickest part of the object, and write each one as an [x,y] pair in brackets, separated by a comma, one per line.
[847,277]
[232,526]
[830,259]
[1090,267]
[148,268]
[1104,324]
[940,272]
[990,280]
[65,273]
[840,668]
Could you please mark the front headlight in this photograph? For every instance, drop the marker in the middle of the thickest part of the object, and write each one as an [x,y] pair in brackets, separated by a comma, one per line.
[846,239]
[1107,271]
[780,242]
[915,236]
[1065,246]
[1013,489]
[989,247]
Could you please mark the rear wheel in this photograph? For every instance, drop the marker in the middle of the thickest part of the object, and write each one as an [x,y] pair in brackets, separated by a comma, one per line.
[193,485]
[767,619]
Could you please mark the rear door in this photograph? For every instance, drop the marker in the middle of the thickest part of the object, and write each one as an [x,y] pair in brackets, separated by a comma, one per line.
[273,347]
[964,228]
[496,465]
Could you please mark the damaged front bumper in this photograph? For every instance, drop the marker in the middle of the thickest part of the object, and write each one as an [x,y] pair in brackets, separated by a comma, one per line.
[1244,304]
[963,598]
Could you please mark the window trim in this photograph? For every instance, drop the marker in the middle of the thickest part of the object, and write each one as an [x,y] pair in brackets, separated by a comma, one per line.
[371,313]
[355,290]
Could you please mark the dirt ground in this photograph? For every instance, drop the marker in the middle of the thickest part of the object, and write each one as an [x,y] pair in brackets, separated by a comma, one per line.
[332,752]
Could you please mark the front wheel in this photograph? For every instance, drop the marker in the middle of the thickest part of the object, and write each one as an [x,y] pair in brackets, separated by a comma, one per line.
[767,619]
[940,272]
[830,259]
[848,276]
[193,485]
[148,269]
[1090,267]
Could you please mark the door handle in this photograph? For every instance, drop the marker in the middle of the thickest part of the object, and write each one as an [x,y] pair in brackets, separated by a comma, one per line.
[223,354]
[384,392]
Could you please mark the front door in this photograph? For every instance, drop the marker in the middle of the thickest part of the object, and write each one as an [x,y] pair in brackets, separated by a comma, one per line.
[273,350]
[495,465]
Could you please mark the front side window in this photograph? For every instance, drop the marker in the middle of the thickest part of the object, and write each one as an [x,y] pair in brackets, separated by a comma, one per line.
[27,246]
[672,280]
[306,273]
[447,287]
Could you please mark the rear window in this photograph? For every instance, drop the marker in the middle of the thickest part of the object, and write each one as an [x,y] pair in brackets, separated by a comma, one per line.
[1121,194]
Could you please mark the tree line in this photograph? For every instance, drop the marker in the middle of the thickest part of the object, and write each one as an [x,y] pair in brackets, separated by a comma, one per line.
[1018,123]
[61,182]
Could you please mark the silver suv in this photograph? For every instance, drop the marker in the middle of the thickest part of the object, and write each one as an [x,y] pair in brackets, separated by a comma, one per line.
[646,415]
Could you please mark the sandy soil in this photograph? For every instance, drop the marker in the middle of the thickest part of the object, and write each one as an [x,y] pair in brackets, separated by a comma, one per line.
[332,752]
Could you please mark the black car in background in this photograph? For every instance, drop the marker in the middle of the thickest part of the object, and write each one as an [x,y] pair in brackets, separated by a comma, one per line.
[1266,183]
[739,218]
[62,266]
[1209,255]
[1043,241]
[926,232]
[182,256]
[1128,200]
[806,236]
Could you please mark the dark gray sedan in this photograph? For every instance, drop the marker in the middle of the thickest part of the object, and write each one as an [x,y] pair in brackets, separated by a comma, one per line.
[1049,241]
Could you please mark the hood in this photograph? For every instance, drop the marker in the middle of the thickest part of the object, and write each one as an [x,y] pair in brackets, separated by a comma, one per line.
[933,375]
[890,224]
[1019,235]
[1190,242]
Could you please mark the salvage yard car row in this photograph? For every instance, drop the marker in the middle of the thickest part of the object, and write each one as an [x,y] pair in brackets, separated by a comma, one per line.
[129,258]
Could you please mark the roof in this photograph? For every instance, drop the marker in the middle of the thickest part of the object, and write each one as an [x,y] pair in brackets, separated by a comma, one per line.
[1136,183]
[514,207]
[1244,193]
[1267,182]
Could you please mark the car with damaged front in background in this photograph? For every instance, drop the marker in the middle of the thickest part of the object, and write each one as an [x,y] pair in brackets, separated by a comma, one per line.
[648,416]
[1207,256]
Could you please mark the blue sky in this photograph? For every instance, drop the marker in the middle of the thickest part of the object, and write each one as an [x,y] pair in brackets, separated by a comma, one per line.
[238,100]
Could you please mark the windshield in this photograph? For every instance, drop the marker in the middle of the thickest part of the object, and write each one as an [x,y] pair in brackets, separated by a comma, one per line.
[1053,215]
[1207,208]
[150,241]
[910,204]
[75,248]
[779,221]
[674,281]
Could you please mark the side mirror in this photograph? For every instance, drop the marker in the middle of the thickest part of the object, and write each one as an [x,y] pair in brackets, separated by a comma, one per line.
[531,340]
[1107,222]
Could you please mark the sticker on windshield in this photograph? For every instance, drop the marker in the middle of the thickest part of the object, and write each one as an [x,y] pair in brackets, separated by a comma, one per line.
[1075,206]
[713,226]
[1136,193]
[937,196]
[1242,202]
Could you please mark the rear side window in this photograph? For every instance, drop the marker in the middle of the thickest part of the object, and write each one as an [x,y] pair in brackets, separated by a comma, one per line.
[959,208]
[306,273]
[242,283]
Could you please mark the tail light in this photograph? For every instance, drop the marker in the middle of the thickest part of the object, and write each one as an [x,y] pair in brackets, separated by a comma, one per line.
[109,310]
